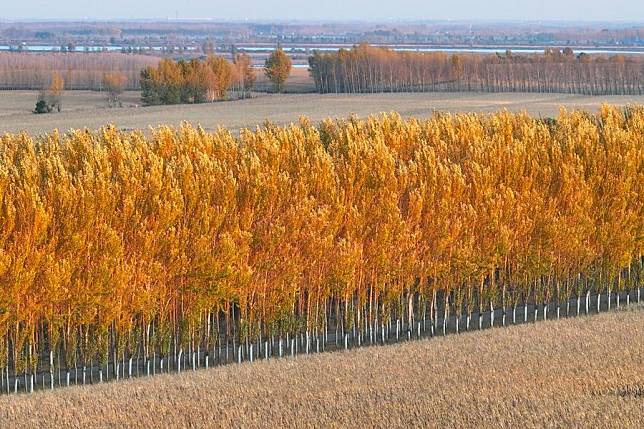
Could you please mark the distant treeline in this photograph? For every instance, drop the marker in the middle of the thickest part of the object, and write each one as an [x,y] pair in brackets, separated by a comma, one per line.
[29,71]
[196,81]
[372,69]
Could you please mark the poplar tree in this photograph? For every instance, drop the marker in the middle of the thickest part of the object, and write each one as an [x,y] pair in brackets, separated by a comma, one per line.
[278,68]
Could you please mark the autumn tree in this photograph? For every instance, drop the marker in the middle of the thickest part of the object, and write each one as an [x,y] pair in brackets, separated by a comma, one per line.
[278,68]
[128,253]
[194,81]
[50,99]
[114,84]
[221,77]
[366,68]
[55,92]
[457,67]
[244,73]
[26,71]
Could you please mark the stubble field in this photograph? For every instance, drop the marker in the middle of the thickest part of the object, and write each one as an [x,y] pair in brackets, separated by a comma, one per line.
[581,372]
[86,109]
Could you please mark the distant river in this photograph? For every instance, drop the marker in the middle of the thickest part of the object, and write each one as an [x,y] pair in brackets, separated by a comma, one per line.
[407,48]
[52,48]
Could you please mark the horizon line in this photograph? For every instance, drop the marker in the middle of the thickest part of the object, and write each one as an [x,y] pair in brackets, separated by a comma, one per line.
[237,20]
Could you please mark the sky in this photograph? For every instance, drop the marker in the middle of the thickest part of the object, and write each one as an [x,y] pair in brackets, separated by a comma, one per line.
[319,10]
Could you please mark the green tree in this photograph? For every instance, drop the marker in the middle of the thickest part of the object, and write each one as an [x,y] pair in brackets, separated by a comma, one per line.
[149,87]
[172,81]
[42,106]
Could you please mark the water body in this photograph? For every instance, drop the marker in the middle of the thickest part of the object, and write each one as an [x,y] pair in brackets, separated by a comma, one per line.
[52,48]
[539,50]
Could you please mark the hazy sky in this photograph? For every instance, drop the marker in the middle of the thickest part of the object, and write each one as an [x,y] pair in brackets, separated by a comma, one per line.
[597,10]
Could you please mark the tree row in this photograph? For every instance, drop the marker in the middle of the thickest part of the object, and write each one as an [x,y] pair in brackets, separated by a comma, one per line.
[119,245]
[372,69]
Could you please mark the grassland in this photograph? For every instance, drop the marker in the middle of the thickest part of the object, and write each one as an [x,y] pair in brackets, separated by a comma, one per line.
[85,109]
[582,372]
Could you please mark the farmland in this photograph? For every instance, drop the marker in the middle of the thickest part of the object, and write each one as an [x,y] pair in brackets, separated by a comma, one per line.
[581,372]
[296,222]
[87,109]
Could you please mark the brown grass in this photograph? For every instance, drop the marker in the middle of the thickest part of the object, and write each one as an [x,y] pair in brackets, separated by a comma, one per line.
[583,372]
[83,109]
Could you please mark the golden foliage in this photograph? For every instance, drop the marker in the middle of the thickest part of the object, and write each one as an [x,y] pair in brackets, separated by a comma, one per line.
[279,228]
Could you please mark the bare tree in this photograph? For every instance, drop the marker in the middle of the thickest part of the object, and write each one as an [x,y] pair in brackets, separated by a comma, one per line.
[244,74]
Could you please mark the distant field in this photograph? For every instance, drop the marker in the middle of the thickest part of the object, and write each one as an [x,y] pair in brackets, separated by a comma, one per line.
[581,372]
[83,109]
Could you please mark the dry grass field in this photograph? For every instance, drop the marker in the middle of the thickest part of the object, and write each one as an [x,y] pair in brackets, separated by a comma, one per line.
[581,373]
[84,109]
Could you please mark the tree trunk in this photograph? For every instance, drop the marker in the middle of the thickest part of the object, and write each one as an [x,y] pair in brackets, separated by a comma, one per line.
[514,314]
[491,315]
